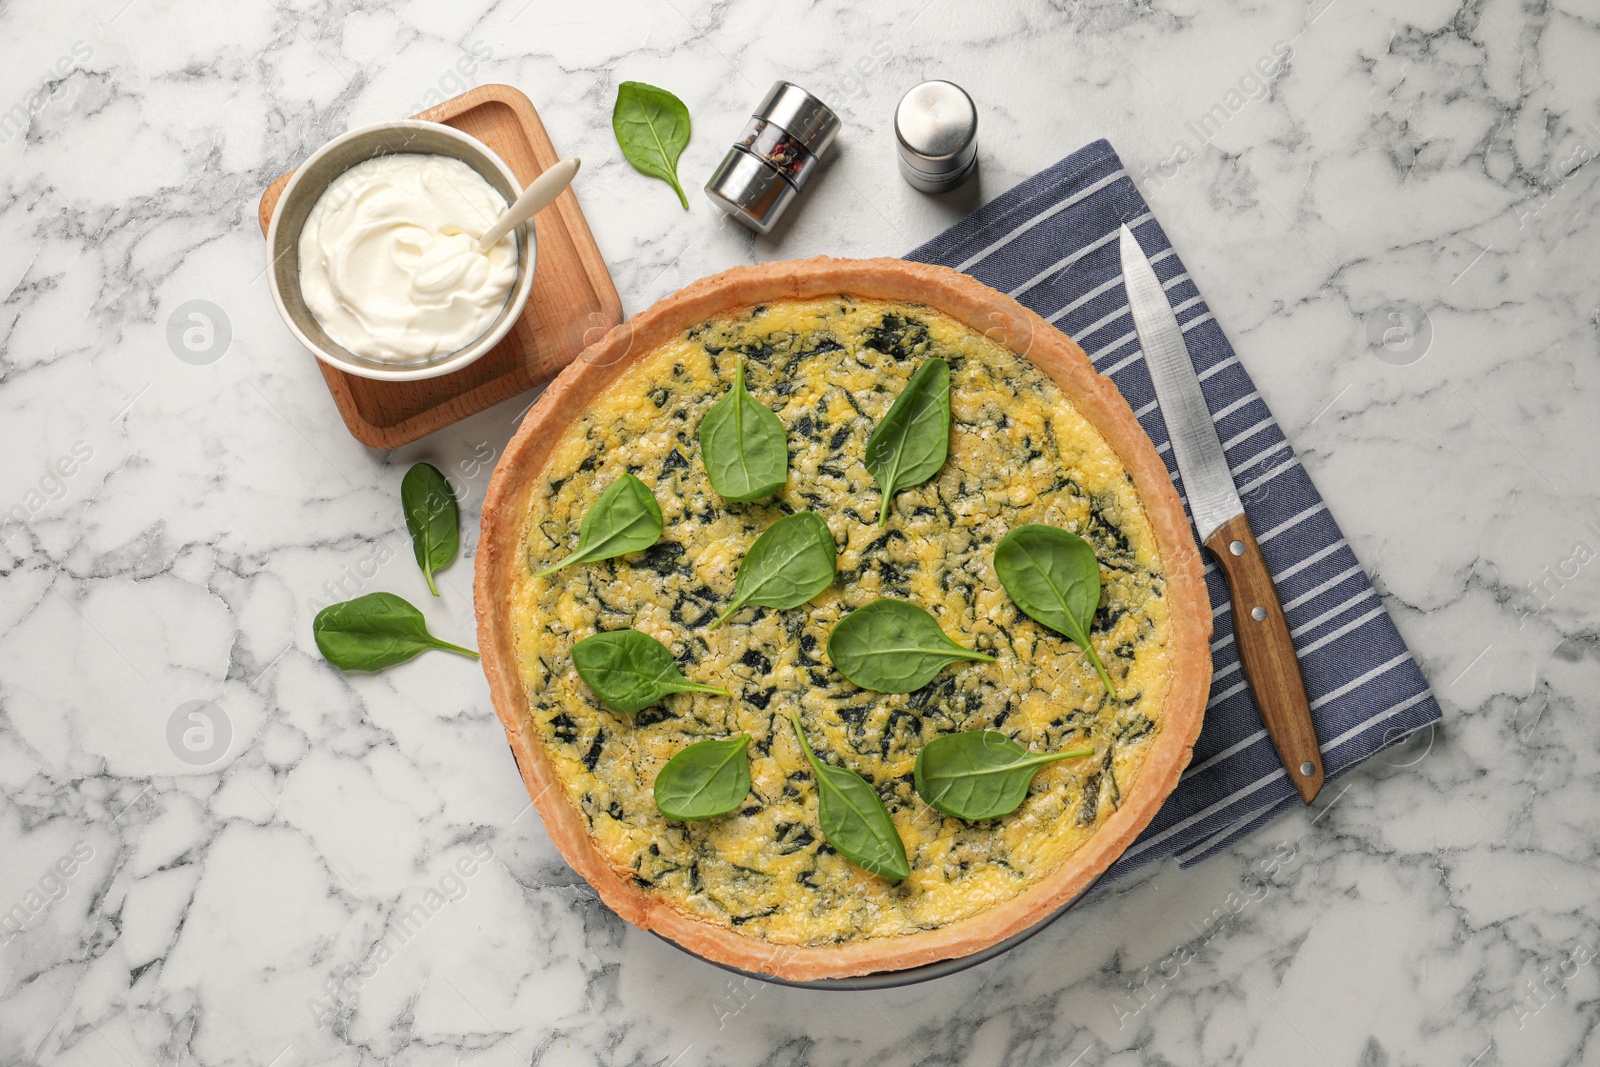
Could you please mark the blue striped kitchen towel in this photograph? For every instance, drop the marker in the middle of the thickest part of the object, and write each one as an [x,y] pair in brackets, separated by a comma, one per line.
[1051,243]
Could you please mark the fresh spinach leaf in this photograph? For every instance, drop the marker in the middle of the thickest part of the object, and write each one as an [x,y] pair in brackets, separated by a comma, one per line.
[853,818]
[891,646]
[743,445]
[912,442]
[652,128]
[625,519]
[792,561]
[374,631]
[629,670]
[708,778]
[981,774]
[1052,575]
[433,517]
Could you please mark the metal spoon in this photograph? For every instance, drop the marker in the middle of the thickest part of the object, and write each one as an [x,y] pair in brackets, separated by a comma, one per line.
[534,199]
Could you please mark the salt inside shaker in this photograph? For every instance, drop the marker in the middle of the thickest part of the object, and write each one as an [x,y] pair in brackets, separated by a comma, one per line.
[781,148]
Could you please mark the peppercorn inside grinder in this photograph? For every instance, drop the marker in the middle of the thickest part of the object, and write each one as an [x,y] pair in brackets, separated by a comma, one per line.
[779,151]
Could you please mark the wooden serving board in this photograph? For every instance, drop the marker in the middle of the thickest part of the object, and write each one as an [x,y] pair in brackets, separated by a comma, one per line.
[572,303]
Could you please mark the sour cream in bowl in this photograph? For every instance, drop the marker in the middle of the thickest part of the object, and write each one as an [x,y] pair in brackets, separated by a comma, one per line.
[389,258]
[375,264]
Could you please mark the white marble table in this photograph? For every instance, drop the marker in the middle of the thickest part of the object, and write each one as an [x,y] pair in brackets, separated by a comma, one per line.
[289,891]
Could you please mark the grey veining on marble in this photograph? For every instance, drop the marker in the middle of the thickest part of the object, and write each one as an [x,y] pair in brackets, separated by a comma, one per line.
[1395,226]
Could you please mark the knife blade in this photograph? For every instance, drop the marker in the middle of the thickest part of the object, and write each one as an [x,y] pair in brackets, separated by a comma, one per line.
[1266,651]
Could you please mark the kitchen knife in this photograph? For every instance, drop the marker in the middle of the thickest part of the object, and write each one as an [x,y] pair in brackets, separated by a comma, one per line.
[1265,649]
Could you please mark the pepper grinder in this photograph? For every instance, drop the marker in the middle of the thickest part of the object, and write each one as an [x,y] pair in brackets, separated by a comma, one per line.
[781,148]
[936,130]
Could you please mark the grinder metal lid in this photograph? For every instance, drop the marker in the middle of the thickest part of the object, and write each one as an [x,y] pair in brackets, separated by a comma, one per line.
[808,120]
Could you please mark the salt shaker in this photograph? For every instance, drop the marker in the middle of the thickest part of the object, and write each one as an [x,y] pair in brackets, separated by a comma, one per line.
[781,148]
[936,129]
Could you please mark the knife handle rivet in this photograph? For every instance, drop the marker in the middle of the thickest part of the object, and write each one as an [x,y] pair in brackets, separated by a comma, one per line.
[1308,768]
[1258,613]
[1236,547]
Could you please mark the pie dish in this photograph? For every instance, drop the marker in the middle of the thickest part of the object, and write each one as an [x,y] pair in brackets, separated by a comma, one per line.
[1038,437]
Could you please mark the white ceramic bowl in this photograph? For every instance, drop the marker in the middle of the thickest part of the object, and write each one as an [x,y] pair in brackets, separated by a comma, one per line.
[307,186]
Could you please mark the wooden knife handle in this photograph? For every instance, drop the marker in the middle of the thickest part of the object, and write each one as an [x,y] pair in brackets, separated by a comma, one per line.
[1267,654]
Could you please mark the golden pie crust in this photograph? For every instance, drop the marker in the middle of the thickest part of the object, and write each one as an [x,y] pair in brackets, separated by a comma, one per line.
[999,318]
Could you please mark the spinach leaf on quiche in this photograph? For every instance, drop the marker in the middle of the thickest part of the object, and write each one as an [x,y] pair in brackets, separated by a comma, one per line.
[912,441]
[743,445]
[891,646]
[853,818]
[708,778]
[792,561]
[629,670]
[1053,576]
[979,774]
[625,519]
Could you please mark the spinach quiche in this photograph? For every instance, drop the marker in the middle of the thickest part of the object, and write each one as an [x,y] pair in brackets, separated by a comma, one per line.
[1037,439]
